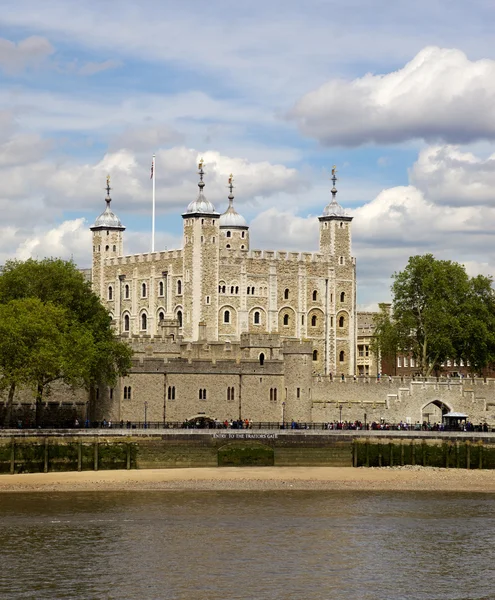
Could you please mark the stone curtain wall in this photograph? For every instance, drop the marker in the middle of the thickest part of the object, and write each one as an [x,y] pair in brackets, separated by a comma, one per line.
[401,400]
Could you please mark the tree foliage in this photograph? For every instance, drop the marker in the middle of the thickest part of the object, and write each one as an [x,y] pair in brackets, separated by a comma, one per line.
[438,313]
[53,327]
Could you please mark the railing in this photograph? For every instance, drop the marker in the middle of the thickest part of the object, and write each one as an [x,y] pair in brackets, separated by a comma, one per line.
[268,425]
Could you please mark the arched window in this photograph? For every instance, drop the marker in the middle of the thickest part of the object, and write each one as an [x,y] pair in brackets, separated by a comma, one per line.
[161,288]
[171,392]
[127,323]
[313,321]
[243,234]
[110,292]
[342,296]
[127,392]
[161,316]
[226,316]
[144,322]
[341,260]
[257,318]
[143,290]
[248,291]
[227,246]
[236,289]
[252,291]
[315,354]
[229,234]
[342,356]
[202,394]
[262,359]
[232,393]
[232,289]
[274,394]
[271,394]
[223,289]
[179,317]
[315,295]
[341,322]
[228,393]
[179,287]
[286,294]
[242,247]
[127,291]
[107,248]
[286,319]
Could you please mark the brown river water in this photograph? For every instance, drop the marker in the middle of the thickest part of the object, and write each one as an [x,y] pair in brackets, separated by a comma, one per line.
[269,545]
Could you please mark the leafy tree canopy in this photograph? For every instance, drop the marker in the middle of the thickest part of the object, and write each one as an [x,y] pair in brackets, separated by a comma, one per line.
[438,312]
[53,327]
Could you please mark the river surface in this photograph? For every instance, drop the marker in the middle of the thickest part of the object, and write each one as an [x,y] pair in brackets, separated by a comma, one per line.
[270,545]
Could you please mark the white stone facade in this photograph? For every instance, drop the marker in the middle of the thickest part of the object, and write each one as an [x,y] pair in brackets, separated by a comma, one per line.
[215,288]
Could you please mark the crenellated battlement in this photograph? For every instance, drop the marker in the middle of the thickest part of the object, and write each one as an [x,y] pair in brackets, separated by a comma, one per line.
[147,257]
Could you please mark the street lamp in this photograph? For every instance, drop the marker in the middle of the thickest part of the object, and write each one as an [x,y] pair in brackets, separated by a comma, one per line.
[365,421]
[340,409]
[145,414]
[283,415]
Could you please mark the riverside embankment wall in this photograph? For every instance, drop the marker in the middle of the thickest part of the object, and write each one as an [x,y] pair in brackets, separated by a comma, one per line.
[33,451]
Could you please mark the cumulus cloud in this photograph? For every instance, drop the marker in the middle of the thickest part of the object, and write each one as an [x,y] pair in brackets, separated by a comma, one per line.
[448,175]
[29,52]
[439,95]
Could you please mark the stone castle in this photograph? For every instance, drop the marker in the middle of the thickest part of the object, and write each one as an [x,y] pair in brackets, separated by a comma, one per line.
[223,330]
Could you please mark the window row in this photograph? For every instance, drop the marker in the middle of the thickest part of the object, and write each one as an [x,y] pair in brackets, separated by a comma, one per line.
[144,290]
[144,320]
[229,234]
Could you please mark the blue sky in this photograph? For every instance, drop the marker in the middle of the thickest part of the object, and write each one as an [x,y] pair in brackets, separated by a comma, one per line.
[400,96]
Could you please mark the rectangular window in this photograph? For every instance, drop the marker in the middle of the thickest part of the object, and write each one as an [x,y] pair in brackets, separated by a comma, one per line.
[366,350]
[399,361]
[406,362]
[361,350]
[298,392]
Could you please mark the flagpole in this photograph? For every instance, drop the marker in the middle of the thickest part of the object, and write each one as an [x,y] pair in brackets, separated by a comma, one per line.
[153,209]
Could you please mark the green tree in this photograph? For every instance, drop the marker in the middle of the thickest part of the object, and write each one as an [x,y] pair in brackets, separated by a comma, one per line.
[439,313]
[77,344]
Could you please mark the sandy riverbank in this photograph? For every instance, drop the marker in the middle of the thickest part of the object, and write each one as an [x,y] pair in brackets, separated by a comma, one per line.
[251,478]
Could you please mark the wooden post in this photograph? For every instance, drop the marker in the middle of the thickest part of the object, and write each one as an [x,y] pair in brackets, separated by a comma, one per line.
[481,456]
[401,453]
[391,446]
[468,455]
[367,453]
[12,456]
[413,452]
[129,455]
[95,458]
[79,456]
[457,459]
[446,451]
[424,453]
[45,465]
[379,454]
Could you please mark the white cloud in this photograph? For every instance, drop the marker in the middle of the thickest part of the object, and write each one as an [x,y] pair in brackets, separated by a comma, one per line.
[450,176]
[29,52]
[439,95]
[91,68]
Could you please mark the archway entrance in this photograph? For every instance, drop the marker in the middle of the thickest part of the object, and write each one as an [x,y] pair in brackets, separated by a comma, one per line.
[433,412]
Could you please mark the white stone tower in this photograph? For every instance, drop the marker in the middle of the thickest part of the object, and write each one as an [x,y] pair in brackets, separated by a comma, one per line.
[340,288]
[201,246]
[108,242]
[234,231]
